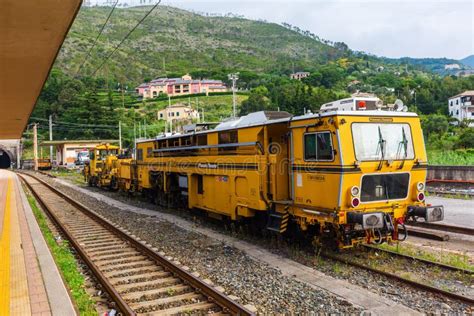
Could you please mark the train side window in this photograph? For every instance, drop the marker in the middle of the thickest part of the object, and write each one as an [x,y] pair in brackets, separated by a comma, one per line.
[310,147]
[325,151]
[229,137]
[200,184]
[149,152]
[318,147]
[202,140]
[140,154]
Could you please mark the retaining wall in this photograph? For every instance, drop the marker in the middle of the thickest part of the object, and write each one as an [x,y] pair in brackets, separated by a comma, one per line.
[464,173]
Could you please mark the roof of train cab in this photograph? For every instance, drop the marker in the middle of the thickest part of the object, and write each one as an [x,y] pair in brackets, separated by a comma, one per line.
[289,120]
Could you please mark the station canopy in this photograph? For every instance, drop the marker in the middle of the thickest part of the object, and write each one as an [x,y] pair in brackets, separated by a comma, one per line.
[31,34]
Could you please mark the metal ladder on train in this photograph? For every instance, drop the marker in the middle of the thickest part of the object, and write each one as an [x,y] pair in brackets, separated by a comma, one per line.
[278,222]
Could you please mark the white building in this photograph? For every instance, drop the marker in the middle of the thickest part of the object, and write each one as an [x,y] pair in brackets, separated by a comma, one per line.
[461,106]
[178,112]
[299,75]
[452,66]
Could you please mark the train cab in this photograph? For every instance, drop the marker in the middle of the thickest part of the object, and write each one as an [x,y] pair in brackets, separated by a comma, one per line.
[357,175]
[101,167]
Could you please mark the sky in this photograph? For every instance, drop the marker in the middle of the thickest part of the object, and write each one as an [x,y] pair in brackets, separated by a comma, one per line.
[391,28]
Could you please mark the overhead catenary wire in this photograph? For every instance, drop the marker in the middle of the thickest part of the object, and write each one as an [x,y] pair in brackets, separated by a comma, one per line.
[125,38]
[73,124]
[97,38]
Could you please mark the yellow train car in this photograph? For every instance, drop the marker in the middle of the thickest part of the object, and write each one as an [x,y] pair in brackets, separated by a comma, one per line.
[44,164]
[101,170]
[343,177]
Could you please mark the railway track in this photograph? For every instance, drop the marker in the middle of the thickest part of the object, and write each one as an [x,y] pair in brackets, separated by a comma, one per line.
[408,281]
[444,228]
[137,278]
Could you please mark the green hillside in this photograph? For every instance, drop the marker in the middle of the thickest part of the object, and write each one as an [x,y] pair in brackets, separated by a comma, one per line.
[172,41]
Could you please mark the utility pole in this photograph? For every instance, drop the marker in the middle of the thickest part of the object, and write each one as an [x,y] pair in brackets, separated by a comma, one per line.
[123,97]
[234,77]
[135,140]
[51,138]
[120,136]
[35,146]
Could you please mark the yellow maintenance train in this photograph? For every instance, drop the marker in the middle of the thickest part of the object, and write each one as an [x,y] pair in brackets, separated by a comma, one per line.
[352,173]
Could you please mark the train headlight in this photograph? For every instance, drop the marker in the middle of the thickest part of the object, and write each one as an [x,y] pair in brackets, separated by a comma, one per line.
[355,191]
[420,186]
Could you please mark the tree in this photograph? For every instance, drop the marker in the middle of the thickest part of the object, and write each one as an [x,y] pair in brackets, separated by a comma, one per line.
[466,138]
[435,124]
[257,101]
[314,79]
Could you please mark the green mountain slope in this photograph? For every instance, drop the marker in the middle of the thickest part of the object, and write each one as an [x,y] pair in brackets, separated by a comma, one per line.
[172,40]
[468,61]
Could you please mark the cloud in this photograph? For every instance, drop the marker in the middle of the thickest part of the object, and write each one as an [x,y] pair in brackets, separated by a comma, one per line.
[392,28]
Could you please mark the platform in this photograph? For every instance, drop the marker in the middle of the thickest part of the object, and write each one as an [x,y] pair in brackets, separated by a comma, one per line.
[30,283]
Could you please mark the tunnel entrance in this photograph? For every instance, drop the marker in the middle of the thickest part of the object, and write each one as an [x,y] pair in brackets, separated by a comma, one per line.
[5,161]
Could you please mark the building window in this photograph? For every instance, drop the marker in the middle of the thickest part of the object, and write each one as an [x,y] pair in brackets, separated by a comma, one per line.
[318,146]
[177,113]
[161,115]
[457,112]
[451,103]
[450,113]
[457,101]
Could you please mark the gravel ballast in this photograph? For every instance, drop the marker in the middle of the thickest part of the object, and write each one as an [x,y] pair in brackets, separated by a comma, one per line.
[250,280]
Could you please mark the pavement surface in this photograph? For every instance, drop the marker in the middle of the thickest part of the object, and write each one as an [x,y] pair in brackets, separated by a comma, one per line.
[30,283]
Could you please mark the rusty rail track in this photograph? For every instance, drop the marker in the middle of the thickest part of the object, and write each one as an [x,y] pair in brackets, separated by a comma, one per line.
[415,284]
[426,261]
[137,278]
[443,227]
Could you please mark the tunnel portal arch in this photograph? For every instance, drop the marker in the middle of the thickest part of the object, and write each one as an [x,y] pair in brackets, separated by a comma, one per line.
[6,158]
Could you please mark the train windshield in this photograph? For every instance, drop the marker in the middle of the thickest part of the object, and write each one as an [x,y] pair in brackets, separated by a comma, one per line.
[382,141]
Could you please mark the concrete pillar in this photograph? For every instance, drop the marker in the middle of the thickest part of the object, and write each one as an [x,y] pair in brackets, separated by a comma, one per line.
[18,156]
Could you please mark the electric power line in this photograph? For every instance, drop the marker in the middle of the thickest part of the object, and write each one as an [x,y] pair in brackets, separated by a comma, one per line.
[125,38]
[71,123]
[97,38]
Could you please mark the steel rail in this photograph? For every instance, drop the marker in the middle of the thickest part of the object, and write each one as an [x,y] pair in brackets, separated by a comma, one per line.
[443,227]
[415,258]
[393,276]
[228,305]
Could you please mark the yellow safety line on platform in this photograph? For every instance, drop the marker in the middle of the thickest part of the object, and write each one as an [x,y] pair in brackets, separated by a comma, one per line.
[5,257]
[19,295]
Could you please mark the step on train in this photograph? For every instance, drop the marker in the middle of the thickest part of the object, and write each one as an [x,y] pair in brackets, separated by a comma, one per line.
[351,174]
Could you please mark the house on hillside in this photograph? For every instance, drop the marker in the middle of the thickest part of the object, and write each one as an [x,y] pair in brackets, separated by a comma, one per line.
[185,85]
[461,106]
[299,75]
[178,112]
[452,67]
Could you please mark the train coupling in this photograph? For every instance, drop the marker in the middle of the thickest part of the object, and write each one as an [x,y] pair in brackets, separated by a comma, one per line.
[429,213]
